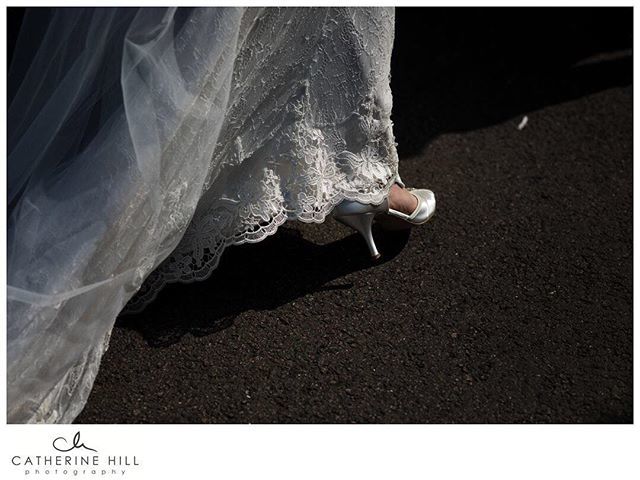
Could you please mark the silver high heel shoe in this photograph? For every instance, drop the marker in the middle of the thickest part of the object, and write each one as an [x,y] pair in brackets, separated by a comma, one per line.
[359,216]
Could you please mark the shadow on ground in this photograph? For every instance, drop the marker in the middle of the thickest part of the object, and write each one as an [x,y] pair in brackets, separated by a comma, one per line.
[257,277]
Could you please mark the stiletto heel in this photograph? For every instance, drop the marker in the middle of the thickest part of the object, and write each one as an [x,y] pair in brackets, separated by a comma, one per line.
[362,223]
[359,216]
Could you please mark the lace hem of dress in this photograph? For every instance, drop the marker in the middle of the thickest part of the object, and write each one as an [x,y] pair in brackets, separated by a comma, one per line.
[167,272]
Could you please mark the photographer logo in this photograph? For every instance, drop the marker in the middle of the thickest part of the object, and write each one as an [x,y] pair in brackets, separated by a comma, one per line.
[74,457]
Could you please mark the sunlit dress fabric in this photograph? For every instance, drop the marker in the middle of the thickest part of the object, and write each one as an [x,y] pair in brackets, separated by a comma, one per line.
[143,142]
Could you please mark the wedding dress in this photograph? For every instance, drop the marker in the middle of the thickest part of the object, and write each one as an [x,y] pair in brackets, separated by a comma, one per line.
[143,142]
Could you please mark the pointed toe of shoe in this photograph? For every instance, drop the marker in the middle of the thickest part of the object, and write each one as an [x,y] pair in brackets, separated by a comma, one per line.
[426,207]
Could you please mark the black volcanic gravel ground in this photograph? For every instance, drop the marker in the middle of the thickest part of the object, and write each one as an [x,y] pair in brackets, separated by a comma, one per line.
[513,305]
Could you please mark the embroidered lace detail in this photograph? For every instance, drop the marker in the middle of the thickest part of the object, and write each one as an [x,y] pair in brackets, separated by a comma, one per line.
[320,181]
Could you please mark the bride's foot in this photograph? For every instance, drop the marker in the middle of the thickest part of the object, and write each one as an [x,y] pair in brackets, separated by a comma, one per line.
[401,200]
[408,207]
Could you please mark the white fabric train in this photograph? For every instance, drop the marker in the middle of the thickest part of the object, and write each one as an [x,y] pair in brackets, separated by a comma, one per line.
[142,142]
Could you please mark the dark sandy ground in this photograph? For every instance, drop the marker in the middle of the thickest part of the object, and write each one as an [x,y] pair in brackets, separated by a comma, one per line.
[513,305]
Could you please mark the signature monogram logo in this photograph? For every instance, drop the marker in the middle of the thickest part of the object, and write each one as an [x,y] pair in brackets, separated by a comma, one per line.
[75,444]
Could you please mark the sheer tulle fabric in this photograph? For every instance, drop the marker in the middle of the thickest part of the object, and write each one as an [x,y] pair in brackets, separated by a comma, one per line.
[142,142]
